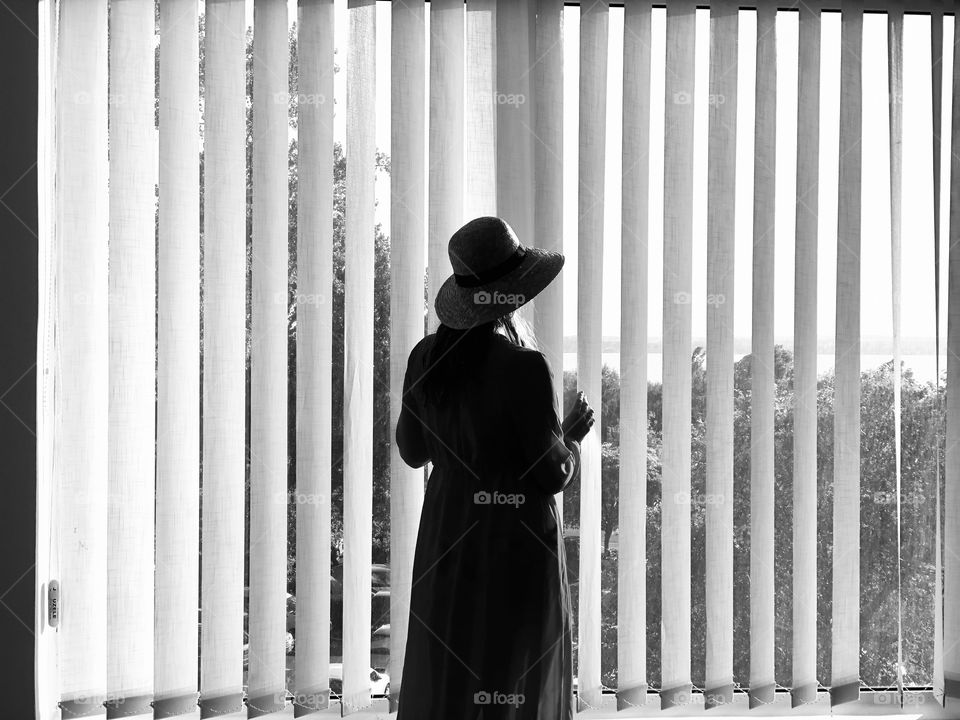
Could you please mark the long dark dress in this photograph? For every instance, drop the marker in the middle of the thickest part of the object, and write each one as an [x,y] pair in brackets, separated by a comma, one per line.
[489,631]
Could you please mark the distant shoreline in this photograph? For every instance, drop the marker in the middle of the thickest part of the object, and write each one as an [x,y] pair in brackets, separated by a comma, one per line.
[874,345]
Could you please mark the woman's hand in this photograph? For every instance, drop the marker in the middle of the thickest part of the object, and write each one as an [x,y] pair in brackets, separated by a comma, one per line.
[579,420]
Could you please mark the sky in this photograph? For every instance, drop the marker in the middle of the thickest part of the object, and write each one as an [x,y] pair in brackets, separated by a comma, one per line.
[918,257]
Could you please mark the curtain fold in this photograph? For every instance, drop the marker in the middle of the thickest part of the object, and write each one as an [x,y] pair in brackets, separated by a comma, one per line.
[721,199]
[358,354]
[177,590]
[845,644]
[407,262]
[81,389]
[224,351]
[677,286]
[762,370]
[590,228]
[268,364]
[805,541]
[314,311]
[634,290]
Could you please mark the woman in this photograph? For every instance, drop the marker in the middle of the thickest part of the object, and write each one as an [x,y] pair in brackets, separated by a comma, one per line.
[489,631]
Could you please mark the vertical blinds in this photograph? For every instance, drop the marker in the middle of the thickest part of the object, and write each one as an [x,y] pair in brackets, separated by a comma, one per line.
[477,109]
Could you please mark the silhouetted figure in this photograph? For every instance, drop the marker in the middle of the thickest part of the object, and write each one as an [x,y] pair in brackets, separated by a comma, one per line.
[490,614]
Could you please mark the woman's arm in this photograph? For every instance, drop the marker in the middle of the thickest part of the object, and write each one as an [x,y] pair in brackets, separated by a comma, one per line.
[552,462]
[409,436]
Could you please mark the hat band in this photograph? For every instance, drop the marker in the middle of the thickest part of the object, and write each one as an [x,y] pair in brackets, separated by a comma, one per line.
[490,274]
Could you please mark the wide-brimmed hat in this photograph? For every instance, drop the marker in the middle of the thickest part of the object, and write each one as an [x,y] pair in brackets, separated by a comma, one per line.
[493,274]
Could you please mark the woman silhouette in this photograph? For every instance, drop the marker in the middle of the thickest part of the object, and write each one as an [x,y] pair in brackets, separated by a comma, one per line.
[489,630]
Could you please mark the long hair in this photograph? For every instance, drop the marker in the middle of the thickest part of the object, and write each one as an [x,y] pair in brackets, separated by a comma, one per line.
[457,355]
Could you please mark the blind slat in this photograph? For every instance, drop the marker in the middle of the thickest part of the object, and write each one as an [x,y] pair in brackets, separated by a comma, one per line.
[895,87]
[446,163]
[130,522]
[514,108]
[224,351]
[951,521]
[80,463]
[480,113]
[845,644]
[47,683]
[178,361]
[632,554]
[268,364]
[548,184]
[407,261]
[592,141]
[315,54]
[677,286]
[721,184]
[762,365]
[805,541]
[358,354]
[936,97]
